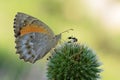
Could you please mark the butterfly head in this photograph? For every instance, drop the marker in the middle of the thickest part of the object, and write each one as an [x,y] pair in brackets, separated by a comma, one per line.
[58,36]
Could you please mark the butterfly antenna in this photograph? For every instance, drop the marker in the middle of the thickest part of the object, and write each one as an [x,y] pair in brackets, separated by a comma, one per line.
[66,31]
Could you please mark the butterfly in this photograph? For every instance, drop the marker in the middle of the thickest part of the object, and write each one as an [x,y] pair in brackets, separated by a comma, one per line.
[33,38]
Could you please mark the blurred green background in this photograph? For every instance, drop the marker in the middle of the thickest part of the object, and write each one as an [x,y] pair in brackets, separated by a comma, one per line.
[96,23]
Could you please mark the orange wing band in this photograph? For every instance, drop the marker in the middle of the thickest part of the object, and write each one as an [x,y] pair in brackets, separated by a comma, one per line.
[32,28]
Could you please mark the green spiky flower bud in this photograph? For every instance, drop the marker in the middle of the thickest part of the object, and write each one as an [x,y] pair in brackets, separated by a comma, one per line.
[73,61]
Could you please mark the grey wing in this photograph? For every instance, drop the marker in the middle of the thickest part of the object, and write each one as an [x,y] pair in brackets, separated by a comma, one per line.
[33,46]
[22,19]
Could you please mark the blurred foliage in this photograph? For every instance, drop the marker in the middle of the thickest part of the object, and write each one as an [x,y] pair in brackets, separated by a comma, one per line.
[11,69]
[52,7]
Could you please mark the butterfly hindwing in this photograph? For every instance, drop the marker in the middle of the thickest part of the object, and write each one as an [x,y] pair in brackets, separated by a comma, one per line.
[33,46]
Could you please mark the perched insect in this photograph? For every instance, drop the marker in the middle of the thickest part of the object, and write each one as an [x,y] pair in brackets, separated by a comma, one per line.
[34,39]
[72,39]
